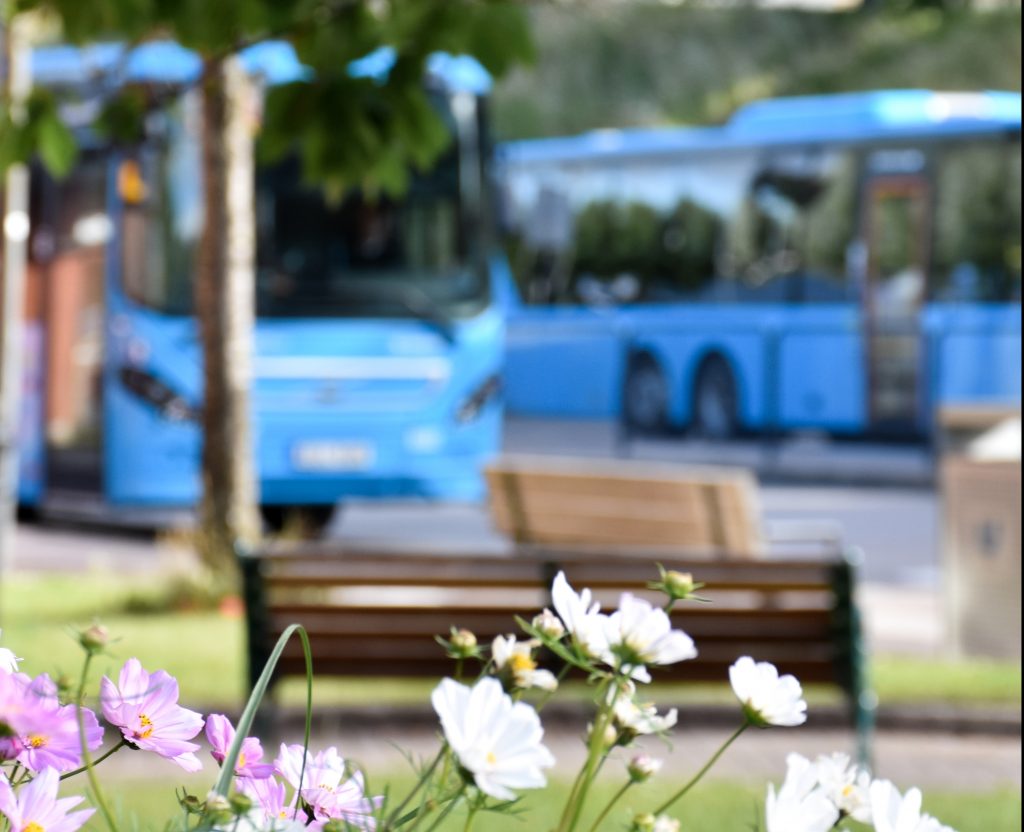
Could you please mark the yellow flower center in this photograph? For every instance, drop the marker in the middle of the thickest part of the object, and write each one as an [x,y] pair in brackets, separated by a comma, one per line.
[147,728]
[491,758]
[847,790]
[521,662]
[241,761]
[37,741]
[32,826]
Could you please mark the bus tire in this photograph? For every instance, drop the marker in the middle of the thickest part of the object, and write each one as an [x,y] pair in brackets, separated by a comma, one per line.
[715,411]
[645,398]
[304,522]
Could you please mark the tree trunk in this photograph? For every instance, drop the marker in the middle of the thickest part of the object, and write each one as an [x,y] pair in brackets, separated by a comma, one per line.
[14,231]
[225,298]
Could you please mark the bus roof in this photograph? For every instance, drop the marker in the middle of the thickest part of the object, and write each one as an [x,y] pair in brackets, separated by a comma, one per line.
[840,118]
[275,61]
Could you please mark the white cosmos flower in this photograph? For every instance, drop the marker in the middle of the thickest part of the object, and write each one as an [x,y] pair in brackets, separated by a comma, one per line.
[8,661]
[640,633]
[768,699]
[800,805]
[517,656]
[845,785]
[581,616]
[636,718]
[891,812]
[497,740]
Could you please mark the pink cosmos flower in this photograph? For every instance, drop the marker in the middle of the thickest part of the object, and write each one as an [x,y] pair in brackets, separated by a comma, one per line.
[53,740]
[145,707]
[327,786]
[221,733]
[270,797]
[36,805]
[21,715]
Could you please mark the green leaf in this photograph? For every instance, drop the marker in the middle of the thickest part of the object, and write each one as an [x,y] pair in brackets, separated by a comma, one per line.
[121,119]
[227,772]
[57,147]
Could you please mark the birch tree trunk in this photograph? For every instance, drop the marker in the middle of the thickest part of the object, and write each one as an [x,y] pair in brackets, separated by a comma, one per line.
[224,301]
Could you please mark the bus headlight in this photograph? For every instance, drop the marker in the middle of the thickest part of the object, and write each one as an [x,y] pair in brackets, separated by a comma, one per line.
[478,399]
[151,390]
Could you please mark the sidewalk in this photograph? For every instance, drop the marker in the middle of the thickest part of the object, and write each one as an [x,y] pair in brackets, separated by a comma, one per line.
[957,764]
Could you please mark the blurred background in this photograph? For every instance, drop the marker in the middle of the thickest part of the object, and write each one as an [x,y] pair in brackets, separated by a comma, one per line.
[685,240]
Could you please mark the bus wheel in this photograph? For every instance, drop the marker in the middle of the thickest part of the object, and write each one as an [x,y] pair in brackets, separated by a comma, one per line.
[297,522]
[645,400]
[714,401]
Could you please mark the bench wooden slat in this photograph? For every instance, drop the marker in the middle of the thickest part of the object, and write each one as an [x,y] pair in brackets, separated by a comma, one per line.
[580,502]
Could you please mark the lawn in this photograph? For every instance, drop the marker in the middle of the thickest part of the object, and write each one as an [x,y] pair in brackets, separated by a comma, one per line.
[713,807]
[205,651]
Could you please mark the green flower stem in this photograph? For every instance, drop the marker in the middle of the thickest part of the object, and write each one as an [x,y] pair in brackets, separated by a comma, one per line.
[418,811]
[424,779]
[122,744]
[707,766]
[471,816]
[447,810]
[611,803]
[88,764]
[596,751]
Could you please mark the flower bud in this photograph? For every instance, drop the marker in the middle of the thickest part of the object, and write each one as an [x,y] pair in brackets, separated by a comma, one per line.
[240,803]
[218,808]
[548,624]
[463,643]
[643,823]
[679,585]
[191,804]
[642,767]
[610,736]
[647,822]
[94,639]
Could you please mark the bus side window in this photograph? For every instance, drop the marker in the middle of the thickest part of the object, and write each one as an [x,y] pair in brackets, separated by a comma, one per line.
[978,239]
[790,238]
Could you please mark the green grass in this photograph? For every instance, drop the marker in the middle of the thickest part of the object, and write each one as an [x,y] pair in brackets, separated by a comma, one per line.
[205,651]
[715,806]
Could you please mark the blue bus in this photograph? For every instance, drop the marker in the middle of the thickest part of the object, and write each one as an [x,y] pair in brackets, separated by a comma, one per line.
[845,263]
[379,333]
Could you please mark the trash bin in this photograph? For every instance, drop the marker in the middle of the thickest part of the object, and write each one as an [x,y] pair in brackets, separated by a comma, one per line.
[981,543]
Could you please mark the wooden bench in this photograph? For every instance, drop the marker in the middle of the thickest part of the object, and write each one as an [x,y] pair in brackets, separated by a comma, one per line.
[639,507]
[376,614]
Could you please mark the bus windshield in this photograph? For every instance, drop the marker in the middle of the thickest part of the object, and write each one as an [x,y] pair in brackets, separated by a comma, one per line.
[364,256]
[418,255]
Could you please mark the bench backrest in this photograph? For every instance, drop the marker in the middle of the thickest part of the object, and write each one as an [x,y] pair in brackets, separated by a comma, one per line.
[377,614]
[635,507]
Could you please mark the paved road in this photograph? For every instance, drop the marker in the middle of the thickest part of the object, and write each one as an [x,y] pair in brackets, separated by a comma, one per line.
[808,457]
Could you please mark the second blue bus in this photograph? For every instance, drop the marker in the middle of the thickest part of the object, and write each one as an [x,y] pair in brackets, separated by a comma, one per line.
[847,263]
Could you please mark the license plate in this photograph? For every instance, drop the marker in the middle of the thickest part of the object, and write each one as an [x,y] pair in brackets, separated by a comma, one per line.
[332,456]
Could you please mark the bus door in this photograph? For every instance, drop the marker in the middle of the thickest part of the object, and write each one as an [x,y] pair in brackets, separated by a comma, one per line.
[71,246]
[896,229]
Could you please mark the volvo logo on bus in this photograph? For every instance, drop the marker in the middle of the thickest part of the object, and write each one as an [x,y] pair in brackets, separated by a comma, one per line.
[329,393]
